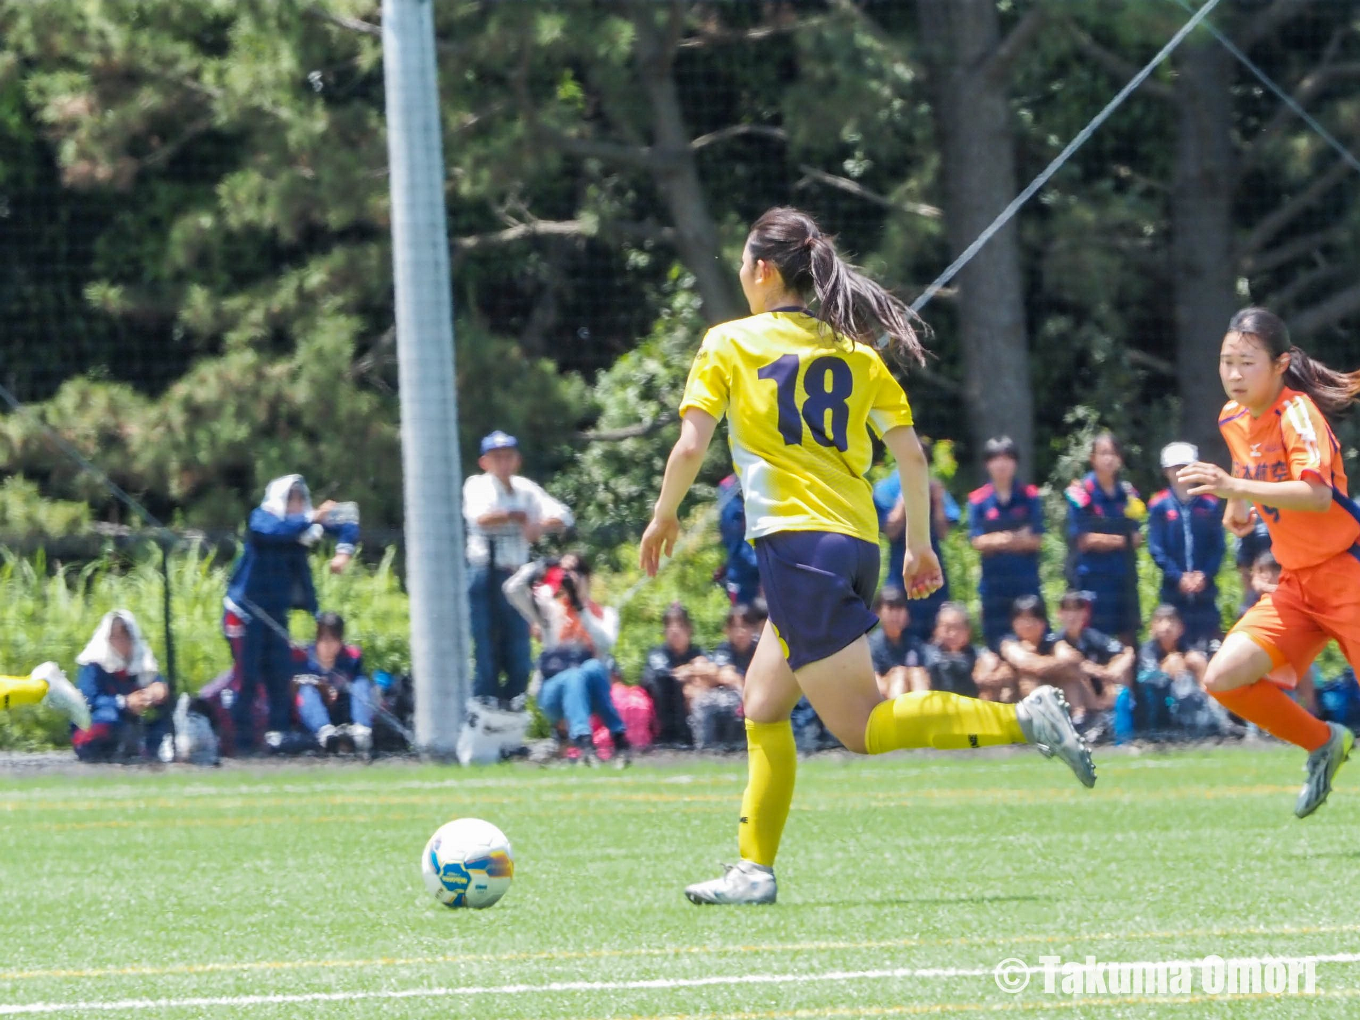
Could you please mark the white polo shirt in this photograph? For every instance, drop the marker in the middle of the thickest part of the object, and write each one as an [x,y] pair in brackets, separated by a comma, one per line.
[484,494]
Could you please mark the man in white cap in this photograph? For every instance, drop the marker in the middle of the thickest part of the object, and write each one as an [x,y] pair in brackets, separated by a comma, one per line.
[504,515]
[1185,538]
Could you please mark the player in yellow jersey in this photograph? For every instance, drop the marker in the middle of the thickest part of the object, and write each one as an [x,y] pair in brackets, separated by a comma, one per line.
[46,685]
[800,389]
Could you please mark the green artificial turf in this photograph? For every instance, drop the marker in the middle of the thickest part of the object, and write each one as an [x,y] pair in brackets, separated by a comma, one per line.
[195,887]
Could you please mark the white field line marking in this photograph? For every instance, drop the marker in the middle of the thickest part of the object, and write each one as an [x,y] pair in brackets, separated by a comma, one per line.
[19,1009]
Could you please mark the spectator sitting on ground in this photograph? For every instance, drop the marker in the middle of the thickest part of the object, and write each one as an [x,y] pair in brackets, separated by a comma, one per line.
[675,671]
[1033,653]
[1249,549]
[950,660]
[578,635]
[1186,541]
[716,719]
[896,654]
[1265,573]
[126,693]
[1105,661]
[1167,650]
[335,698]
[1169,671]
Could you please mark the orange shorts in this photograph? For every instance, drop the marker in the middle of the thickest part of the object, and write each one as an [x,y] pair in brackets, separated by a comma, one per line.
[1311,606]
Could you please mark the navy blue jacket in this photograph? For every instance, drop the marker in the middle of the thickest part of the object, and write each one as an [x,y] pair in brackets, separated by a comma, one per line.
[1184,537]
[1009,575]
[742,573]
[273,571]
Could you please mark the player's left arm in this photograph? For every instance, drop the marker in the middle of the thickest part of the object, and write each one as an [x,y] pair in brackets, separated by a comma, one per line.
[922,573]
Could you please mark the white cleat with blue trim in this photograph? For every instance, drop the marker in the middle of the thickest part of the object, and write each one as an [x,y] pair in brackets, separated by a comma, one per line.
[741,883]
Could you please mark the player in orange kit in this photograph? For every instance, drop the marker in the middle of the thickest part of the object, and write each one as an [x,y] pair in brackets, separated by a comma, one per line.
[1287,467]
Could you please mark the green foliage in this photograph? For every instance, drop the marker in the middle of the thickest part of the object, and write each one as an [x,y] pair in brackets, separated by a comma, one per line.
[611,486]
[500,387]
[686,579]
[25,514]
[50,612]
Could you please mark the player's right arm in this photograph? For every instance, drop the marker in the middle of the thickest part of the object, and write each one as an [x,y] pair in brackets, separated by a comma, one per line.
[682,467]
[705,401]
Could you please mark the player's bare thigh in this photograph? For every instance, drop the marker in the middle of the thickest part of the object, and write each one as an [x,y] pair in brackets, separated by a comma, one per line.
[770,690]
[1239,662]
[843,690]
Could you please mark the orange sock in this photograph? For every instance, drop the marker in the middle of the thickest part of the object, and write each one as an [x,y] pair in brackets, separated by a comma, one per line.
[1276,712]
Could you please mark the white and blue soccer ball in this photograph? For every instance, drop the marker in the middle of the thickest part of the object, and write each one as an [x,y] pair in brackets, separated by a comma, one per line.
[468,863]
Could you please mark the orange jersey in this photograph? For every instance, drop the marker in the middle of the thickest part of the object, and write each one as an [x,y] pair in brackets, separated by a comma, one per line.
[1291,442]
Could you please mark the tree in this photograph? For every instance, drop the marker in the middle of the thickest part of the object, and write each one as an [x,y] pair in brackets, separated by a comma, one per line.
[969,63]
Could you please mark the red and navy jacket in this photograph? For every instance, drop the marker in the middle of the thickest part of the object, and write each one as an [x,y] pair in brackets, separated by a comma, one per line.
[1090,510]
[1183,537]
[1007,574]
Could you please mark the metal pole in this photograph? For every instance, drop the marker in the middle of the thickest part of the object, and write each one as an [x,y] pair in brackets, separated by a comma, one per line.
[429,411]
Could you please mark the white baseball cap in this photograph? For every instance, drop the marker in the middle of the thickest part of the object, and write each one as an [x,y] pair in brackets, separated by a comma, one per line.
[1179,454]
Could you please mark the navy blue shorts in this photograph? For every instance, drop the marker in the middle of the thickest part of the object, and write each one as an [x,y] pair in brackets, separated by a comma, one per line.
[818,586]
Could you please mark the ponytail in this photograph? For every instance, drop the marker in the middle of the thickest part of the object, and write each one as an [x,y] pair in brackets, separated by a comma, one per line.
[848,302]
[1333,392]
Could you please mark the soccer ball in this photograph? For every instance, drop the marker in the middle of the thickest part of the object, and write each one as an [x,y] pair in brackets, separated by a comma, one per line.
[467,863]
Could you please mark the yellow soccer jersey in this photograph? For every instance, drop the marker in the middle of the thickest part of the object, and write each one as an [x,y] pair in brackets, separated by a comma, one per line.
[797,410]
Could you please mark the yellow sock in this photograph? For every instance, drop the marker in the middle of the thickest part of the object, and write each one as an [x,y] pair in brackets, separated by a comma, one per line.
[20,690]
[772,761]
[940,719]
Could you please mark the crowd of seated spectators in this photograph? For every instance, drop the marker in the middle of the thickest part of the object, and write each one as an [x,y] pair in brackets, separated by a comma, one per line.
[1124,674]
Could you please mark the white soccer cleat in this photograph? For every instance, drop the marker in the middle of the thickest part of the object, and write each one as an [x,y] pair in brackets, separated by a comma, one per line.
[1322,766]
[1047,724]
[63,695]
[741,883]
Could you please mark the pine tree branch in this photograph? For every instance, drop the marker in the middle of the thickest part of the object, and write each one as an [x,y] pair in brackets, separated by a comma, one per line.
[1326,312]
[1265,23]
[1276,221]
[1284,298]
[720,36]
[737,131]
[1316,81]
[644,428]
[1114,64]
[1298,247]
[564,228]
[811,173]
[1002,59]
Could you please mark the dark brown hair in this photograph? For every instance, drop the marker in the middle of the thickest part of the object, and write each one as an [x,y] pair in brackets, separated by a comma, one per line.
[1332,391]
[851,304]
[330,625]
[1109,437]
[677,613]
